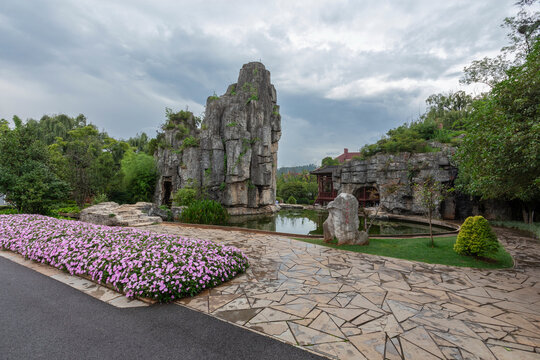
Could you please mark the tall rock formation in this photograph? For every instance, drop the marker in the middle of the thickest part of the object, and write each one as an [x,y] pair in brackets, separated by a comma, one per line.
[233,155]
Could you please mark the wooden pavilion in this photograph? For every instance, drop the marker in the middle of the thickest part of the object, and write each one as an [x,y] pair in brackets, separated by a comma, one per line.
[327,192]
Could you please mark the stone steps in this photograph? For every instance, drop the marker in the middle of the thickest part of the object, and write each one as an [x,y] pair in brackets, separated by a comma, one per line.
[125,215]
[143,223]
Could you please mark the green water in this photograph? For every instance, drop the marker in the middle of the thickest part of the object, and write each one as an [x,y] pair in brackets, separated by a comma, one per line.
[310,222]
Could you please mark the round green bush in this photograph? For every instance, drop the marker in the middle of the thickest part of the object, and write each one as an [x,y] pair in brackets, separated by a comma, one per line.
[205,212]
[291,200]
[476,238]
[185,196]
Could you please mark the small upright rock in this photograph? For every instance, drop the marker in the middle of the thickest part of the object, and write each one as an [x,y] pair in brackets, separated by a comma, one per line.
[342,222]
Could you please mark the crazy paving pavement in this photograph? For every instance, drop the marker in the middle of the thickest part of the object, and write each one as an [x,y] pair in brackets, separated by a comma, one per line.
[354,306]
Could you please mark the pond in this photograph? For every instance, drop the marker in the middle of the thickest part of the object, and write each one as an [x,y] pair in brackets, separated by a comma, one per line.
[310,222]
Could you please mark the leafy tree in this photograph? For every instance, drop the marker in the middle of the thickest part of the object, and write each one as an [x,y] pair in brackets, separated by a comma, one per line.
[500,156]
[429,193]
[524,32]
[139,176]
[26,177]
[49,128]
[81,150]
[140,143]
[329,161]
[303,187]
[296,169]
[447,110]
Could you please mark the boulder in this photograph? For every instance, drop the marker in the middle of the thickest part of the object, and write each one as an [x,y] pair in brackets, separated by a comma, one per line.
[101,214]
[112,214]
[342,222]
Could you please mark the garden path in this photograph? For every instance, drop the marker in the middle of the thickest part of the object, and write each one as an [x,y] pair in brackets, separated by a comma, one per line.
[354,306]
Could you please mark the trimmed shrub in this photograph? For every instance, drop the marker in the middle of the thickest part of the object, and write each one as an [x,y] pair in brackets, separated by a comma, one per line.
[205,212]
[291,200]
[185,196]
[476,238]
[64,210]
[8,211]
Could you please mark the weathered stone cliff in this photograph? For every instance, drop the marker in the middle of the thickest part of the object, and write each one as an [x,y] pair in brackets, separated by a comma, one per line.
[389,179]
[233,155]
[392,178]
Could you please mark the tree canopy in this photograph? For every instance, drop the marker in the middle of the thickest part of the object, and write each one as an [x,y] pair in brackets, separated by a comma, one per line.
[500,154]
[26,175]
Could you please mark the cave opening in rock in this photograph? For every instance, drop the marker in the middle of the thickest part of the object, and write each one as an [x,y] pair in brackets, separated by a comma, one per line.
[368,196]
[167,192]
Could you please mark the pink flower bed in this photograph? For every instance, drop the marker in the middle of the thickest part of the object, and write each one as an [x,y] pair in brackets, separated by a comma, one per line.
[136,262]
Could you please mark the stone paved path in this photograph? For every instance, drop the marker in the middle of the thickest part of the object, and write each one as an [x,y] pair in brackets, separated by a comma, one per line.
[354,306]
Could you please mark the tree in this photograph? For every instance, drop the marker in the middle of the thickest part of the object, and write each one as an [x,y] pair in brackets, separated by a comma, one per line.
[524,31]
[140,143]
[328,161]
[26,177]
[81,150]
[139,175]
[429,193]
[500,157]
[303,187]
[447,110]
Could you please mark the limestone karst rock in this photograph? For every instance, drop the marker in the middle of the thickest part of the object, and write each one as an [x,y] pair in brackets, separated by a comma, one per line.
[342,222]
[233,155]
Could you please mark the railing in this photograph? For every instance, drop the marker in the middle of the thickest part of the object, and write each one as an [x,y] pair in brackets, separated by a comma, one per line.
[328,194]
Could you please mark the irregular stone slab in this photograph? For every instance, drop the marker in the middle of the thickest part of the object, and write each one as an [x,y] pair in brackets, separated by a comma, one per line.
[340,350]
[511,354]
[391,352]
[413,352]
[371,345]
[402,311]
[239,317]
[279,330]
[269,315]
[216,302]
[346,314]
[325,324]
[420,337]
[307,336]
[472,345]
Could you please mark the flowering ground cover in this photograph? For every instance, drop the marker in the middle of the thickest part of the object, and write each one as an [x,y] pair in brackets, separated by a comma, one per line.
[135,262]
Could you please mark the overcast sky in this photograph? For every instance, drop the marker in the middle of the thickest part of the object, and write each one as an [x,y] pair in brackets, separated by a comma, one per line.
[345,71]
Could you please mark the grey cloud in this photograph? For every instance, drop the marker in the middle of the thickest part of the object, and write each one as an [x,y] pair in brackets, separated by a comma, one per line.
[122,64]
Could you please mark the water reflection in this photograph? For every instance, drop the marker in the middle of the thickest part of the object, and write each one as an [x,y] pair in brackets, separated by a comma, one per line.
[310,222]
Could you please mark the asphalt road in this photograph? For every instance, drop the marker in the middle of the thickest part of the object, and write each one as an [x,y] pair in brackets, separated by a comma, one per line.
[41,318]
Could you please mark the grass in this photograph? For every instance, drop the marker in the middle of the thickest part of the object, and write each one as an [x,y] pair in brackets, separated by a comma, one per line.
[420,250]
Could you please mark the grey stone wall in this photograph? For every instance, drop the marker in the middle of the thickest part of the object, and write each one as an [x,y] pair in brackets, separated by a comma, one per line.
[236,157]
[394,177]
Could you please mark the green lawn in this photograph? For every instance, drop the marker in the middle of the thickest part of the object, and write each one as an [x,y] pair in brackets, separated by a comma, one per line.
[421,250]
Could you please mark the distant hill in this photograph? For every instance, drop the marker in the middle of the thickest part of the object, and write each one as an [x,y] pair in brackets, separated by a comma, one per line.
[296,169]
